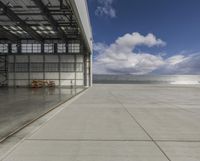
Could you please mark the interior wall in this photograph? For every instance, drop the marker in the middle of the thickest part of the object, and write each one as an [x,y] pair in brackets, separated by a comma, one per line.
[74,75]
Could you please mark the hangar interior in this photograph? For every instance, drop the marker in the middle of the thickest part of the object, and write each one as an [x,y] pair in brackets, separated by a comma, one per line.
[44,40]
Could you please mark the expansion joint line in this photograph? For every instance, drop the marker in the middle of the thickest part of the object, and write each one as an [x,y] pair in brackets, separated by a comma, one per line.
[134,118]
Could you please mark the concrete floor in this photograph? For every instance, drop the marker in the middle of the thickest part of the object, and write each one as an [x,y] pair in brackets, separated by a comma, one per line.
[120,123]
[21,105]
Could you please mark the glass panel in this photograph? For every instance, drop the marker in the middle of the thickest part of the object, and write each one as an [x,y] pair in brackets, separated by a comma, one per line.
[11,67]
[21,67]
[36,67]
[48,48]
[3,48]
[31,48]
[61,48]
[14,48]
[36,48]
[74,48]
[79,67]
[67,67]
[51,67]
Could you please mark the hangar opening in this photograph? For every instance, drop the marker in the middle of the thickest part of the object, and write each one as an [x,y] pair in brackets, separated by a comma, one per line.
[43,43]
[47,40]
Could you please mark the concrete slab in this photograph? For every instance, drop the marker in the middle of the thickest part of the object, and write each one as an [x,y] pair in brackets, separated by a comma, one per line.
[20,106]
[168,123]
[7,145]
[182,151]
[96,97]
[195,108]
[79,123]
[86,151]
[166,94]
[141,105]
[102,105]
[98,127]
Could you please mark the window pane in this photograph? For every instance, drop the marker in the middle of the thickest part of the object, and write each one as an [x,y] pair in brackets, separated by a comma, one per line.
[51,67]
[31,48]
[79,67]
[3,48]
[36,67]
[61,48]
[48,48]
[14,48]
[74,48]
[21,67]
[36,48]
[67,67]
[11,67]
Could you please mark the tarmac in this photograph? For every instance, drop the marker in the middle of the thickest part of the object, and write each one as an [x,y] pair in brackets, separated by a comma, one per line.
[118,123]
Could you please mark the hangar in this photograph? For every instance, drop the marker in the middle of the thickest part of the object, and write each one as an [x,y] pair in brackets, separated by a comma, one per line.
[45,40]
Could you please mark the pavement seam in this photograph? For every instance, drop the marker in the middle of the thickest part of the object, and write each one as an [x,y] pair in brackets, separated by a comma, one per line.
[64,104]
[133,117]
[91,140]
[67,102]
[148,134]
[40,116]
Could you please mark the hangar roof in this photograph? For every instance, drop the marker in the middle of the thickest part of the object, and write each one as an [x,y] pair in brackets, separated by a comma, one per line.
[44,19]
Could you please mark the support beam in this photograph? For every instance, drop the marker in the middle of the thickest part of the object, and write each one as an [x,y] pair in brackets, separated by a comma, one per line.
[45,11]
[5,33]
[12,16]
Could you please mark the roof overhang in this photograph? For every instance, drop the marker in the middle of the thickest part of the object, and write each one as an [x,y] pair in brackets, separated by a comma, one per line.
[80,8]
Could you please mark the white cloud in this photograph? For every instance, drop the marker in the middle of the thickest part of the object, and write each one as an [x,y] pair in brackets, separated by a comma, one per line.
[120,58]
[105,8]
[174,60]
[182,64]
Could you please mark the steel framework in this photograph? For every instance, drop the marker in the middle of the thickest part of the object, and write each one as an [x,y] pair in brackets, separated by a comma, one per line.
[40,23]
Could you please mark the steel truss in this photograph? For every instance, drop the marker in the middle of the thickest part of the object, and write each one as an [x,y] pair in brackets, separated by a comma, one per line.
[42,22]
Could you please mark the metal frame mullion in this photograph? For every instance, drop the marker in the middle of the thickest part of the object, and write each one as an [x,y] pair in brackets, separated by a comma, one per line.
[29,67]
[85,69]
[44,59]
[59,69]
[56,53]
[75,68]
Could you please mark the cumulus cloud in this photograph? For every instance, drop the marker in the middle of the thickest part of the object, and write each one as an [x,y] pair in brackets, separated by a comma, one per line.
[105,8]
[121,58]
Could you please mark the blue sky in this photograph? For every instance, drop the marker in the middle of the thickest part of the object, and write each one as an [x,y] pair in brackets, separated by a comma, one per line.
[163,36]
